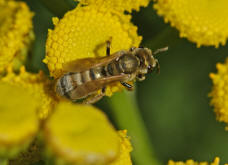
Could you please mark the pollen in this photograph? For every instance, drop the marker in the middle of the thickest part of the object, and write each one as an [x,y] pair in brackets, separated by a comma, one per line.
[39,86]
[81,134]
[200,21]
[19,122]
[219,93]
[15,31]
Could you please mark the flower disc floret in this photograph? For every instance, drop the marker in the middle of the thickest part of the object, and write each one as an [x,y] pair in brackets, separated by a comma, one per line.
[15,30]
[219,93]
[201,21]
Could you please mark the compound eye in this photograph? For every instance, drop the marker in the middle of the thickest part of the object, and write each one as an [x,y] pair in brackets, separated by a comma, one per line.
[150,69]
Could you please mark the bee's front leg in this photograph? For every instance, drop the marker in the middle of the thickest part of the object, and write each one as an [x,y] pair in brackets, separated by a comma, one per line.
[127,86]
[108,48]
[95,97]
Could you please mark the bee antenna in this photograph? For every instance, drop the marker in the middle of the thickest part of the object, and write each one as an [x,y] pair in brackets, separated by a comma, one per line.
[160,50]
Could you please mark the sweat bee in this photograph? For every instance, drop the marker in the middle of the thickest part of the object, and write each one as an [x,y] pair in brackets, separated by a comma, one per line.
[84,77]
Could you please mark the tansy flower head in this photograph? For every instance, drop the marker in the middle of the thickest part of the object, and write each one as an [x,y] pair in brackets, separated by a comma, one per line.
[201,21]
[83,32]
[38,85]
[81,134]
[124,157]
[19,121]
[15,32]
[219,93]
[191,162]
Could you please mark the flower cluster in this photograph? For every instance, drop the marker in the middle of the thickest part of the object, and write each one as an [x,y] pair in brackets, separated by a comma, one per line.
[203,22]
[69,131]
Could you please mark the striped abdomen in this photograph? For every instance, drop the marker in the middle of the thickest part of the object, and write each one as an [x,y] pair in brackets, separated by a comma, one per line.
[74,85]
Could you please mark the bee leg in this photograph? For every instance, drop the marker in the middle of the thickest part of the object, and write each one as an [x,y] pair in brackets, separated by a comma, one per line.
[108,48]
[94,98]
[126,85]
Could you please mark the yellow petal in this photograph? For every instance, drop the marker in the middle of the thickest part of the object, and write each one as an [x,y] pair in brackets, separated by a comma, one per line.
[219,93]
[38,85]
[201,21]
[15,31]
[81,134]
[19,122]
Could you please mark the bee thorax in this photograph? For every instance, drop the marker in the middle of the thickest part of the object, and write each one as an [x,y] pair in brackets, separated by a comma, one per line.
[128,63]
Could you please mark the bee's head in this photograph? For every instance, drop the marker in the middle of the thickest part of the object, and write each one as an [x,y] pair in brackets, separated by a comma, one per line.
[147,61]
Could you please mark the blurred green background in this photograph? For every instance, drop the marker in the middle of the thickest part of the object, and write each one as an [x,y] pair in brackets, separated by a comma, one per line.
[174,104]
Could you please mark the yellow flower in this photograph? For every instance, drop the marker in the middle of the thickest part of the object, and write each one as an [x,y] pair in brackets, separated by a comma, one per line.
[82,134]
[191,162]
[201,21]
[117,5]
[15,32]
[38,85]
[219,93]
[19,122]
[83,33]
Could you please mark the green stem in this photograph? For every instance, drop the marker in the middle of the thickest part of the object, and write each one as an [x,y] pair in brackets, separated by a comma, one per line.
[127,116]
[59,7]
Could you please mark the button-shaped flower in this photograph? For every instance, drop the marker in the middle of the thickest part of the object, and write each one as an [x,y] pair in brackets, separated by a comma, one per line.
[82,134]
[38,85]
[15,32]
[219,93]
[84,31]
[19,123]
[200,21]
[191,162]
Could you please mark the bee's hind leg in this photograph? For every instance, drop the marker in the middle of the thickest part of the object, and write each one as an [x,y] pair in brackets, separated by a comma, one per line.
[94,97]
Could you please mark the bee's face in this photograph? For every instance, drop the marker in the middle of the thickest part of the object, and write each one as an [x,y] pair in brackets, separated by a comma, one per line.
[147,61]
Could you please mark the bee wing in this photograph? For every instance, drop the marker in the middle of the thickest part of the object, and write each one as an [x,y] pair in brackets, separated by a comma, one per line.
[92,86]
[87,63]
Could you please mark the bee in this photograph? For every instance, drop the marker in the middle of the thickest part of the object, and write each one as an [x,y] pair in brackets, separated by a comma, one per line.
[85,77]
